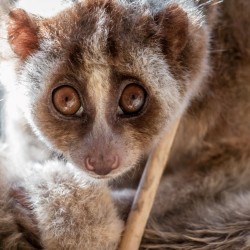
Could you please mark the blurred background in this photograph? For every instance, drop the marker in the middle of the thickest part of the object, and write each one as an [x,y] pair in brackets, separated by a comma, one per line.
[1,108]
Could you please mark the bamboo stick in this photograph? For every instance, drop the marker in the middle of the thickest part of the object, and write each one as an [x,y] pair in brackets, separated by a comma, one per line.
[146,192]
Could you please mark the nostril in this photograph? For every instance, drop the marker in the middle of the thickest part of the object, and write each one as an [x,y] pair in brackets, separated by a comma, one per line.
[115,163]
[89,163]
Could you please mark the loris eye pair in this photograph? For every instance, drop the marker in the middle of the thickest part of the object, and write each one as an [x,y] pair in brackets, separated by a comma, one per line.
[67,101]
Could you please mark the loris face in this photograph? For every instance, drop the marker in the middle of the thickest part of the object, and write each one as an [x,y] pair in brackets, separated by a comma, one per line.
[103,80]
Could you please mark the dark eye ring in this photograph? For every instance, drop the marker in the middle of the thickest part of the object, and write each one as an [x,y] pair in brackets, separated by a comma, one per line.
[66,100]
[133,99]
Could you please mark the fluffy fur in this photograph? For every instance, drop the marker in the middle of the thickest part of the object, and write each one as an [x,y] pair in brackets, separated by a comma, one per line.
[192,57]
[44,206]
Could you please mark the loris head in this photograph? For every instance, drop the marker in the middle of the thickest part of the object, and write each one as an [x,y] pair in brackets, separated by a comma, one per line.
[103,80]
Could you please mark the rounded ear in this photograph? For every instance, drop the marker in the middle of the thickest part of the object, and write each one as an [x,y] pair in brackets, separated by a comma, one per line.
[172,29]
[22,33]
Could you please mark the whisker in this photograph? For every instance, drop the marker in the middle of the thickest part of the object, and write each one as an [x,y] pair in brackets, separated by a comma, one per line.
[210,2]
[218,2]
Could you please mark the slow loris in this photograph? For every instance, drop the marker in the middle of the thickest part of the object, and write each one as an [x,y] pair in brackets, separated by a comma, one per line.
[90,92]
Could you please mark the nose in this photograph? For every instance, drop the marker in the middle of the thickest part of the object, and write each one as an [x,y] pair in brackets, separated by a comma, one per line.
[102,165]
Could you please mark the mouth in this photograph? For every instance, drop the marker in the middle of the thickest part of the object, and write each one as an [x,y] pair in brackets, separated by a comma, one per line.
[103,177]
[110,176]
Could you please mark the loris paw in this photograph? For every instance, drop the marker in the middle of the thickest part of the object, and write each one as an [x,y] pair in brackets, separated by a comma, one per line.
[24,217]
[72,213]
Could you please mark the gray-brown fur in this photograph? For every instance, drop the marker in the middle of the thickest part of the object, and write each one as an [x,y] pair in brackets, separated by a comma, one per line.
[202,73]
[207,195]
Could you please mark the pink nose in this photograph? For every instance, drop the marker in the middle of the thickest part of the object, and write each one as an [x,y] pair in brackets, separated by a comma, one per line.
[102,165]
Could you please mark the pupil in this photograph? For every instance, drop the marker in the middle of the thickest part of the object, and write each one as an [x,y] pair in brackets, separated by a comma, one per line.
[134,97]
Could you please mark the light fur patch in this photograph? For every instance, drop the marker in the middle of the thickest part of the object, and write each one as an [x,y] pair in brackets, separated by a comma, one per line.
[96,65]
[98,88]
[41,7]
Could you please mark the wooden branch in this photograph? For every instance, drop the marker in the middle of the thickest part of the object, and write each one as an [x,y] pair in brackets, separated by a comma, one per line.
[146,192]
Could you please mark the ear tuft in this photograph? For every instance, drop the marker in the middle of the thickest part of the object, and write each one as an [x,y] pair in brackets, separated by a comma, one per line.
[173,29]
[22,33]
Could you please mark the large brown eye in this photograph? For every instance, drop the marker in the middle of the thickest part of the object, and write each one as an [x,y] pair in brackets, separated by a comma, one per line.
[66,100]
[132,99]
